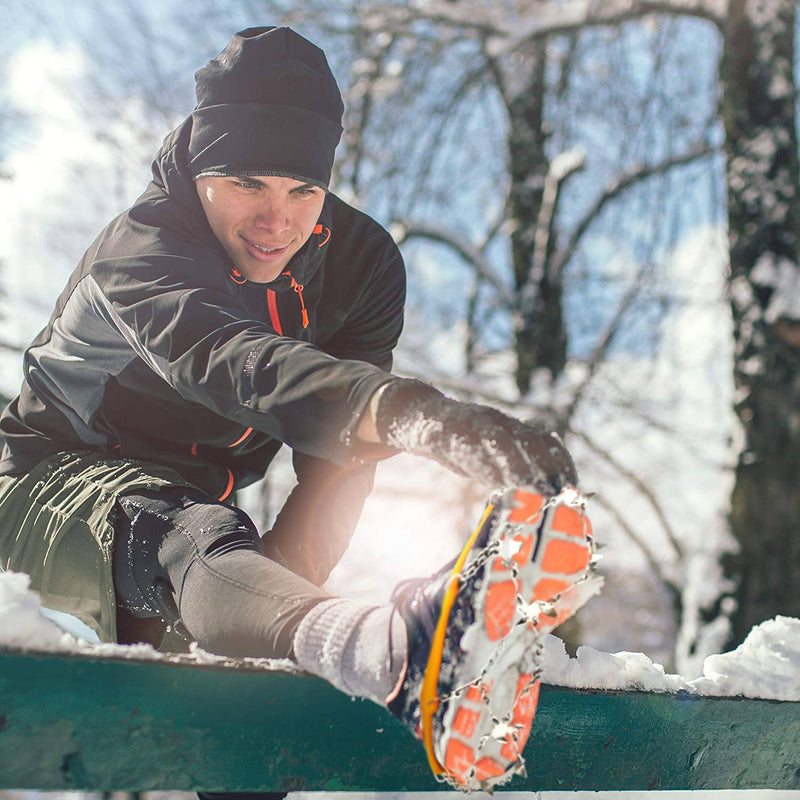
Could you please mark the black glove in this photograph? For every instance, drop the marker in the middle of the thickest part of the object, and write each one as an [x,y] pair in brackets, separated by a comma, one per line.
[473,440]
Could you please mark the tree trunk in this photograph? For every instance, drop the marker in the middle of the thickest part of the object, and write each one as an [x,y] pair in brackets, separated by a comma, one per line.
[540,335]
[758,105]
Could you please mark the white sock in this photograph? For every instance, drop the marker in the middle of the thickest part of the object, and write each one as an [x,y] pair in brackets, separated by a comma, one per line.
[359,649]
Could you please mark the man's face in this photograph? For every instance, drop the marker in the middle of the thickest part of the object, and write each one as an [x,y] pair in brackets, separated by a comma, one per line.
[260,221]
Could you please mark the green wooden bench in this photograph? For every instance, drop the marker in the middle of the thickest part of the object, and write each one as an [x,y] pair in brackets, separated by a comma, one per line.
[71,722]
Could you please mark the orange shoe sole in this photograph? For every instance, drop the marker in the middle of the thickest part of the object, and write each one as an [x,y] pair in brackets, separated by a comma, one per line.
[534,571]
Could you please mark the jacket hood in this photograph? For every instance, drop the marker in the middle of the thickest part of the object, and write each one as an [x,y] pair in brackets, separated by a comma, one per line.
[172,184]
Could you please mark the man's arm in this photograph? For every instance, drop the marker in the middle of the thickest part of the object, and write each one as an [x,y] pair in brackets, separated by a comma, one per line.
[367,430]
[315,525]
[211,352]
[472,440]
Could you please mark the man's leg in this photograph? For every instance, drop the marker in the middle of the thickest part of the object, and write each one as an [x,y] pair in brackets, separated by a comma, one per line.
[181,558]
[467,642]
[185,559]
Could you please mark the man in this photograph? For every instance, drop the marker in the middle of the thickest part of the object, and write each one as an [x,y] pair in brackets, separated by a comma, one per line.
[238,306]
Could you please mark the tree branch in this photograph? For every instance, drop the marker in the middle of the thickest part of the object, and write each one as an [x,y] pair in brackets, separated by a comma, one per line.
[598,355]
[468,252]
[560,169]
[625,181]
[639,484]
[364,106]
[12,348]
[671,587]
[544,21]
[579,14]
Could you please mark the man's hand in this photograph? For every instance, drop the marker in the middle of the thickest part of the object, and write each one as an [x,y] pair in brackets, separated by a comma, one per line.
[475,441]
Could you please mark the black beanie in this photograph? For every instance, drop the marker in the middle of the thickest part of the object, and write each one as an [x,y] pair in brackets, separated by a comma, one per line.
[268,104]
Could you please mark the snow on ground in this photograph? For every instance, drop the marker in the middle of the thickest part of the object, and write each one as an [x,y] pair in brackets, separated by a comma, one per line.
[26,625]
[766,665]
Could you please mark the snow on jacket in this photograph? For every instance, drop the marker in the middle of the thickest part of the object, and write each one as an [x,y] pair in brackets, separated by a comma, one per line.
[158,350]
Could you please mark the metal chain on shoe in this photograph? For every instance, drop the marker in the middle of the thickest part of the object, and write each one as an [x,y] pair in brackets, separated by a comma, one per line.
[529,614]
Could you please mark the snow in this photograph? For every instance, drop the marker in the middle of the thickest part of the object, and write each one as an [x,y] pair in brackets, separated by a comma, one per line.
[591,669]
[26,625]
[783,277]
[21,621]
[568,162]
[766,665]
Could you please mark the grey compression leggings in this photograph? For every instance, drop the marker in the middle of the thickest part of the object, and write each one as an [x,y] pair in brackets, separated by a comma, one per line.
[181,558]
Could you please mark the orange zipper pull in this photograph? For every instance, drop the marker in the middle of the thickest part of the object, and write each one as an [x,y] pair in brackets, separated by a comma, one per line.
[298,287]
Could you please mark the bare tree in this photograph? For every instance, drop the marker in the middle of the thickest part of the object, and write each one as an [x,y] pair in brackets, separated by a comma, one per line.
[526,58]
[759,109]
[523,89]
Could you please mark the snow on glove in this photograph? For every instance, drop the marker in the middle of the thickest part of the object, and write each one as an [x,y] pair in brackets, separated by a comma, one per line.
[472,440]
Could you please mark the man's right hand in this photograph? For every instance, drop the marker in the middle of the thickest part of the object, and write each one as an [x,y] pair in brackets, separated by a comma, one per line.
[476,441]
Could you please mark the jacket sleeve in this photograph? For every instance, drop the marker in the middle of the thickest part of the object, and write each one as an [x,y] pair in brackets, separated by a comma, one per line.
[208,349]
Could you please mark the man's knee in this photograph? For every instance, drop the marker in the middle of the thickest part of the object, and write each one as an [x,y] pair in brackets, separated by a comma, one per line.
[207,530]
[160,535]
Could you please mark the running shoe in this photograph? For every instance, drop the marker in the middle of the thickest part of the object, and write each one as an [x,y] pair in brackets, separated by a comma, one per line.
[476,634]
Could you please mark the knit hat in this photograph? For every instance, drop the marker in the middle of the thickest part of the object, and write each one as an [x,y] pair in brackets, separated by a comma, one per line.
[268,104]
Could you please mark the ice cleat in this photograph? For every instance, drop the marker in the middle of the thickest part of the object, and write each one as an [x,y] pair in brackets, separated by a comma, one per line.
[476,633]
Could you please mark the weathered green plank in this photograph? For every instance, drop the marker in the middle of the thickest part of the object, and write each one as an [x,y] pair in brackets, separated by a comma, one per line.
[76,723]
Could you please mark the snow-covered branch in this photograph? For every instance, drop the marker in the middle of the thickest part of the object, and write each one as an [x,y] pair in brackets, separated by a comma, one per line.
[538,20]
[561,167]
[579,14]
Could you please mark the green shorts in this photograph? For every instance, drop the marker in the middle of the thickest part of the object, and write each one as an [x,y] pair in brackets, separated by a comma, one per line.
[57,525]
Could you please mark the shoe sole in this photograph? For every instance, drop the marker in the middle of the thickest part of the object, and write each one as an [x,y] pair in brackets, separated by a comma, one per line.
[532,573]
